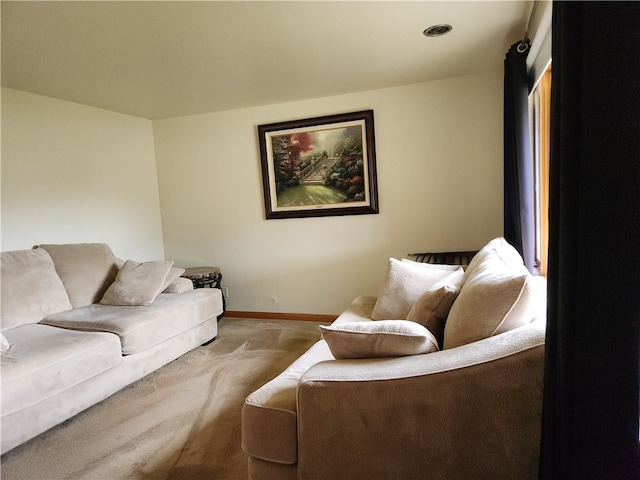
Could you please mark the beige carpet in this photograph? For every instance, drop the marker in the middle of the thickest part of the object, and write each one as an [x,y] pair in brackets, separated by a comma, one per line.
[180,422]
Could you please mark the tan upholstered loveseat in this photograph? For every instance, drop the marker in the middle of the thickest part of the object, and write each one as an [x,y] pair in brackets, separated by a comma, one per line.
[471,409]
[78,324]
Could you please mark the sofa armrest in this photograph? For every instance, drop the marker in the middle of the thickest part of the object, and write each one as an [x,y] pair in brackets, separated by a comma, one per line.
[470,412]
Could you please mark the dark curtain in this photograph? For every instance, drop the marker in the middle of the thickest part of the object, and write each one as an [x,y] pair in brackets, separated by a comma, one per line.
[591,383]
[518,165]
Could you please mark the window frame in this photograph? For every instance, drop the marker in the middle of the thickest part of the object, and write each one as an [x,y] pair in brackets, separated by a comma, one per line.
[540,109]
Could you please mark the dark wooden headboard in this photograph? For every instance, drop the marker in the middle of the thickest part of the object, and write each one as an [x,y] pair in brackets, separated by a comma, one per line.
[448,258]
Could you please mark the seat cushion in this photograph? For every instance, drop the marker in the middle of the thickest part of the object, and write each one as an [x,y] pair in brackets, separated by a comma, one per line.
[269,415]
[141,327]
[43,361]
[31,288]
[86,270]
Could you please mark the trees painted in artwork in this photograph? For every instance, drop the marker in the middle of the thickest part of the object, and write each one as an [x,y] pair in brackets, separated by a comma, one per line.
[287,153]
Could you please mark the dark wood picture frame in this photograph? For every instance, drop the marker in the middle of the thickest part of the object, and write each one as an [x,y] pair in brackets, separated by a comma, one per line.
[318,167]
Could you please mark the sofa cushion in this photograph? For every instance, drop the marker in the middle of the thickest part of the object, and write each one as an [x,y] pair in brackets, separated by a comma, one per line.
[269,415]
[433,306]
[402,286]
[172,276]
[141,327]
[359,310]
[4,343]
[31,288]
[493,303]
[179,285]
[137,283]
[86,270]
[384,338]
[498,254]
[498,295]
[44,361]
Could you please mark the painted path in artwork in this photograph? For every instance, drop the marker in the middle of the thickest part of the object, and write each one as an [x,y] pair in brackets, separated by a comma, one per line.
[305,195]
[316,174]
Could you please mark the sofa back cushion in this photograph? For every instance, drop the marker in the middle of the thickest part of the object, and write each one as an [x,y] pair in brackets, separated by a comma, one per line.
[86,270]
[497,255]
[498,295]
[492,304]
[31,289]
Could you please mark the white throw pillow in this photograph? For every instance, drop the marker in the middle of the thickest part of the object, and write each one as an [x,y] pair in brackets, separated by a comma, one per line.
[498,254]
[386,338]
[137,283]
[172,276]
[493,303]
[403,285]
[4,343]
[178,286]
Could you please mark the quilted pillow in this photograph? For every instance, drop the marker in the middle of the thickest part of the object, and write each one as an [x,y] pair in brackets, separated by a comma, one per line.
[432,308]
[137,283]
[403,285]
[386,338]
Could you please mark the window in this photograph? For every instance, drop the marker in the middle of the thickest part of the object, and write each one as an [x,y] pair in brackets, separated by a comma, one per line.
[540,105]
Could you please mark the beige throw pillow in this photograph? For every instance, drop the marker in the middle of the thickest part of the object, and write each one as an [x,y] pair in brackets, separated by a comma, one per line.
[178,286]
[172,276]
[490,304]
[498,254]
[4,343]
[137,283]
[432,308]
[386,338]
[403,285]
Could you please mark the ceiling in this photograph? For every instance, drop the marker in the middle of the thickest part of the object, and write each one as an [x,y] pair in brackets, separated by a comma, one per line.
[156,59]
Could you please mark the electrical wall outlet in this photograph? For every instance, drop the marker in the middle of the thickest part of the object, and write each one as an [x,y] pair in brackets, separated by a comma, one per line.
[225,292]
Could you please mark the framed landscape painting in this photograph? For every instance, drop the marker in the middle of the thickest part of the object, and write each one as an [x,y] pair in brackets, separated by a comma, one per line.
[319,166]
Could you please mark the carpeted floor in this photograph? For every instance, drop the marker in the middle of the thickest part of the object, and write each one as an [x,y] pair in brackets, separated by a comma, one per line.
[180,422]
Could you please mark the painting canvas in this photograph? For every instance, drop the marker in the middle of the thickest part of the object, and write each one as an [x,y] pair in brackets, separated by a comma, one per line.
[319,166]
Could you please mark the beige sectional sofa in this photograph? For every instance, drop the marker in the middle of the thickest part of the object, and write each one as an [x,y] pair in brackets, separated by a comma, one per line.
[79,324]
[448,387]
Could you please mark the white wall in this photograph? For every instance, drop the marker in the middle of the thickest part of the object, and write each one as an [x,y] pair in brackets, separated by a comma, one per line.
[439,160]
[72,173]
